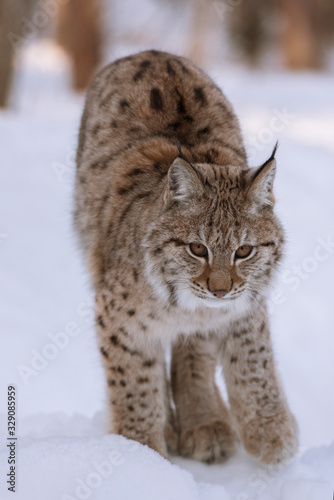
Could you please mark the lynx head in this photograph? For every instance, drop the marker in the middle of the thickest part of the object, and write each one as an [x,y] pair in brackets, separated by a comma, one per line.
[216,241]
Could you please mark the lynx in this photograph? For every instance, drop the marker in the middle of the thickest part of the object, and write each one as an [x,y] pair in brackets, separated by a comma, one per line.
[182,243]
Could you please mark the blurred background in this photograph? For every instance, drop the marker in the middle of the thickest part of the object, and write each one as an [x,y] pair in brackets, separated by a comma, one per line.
[275,62]
[291,34]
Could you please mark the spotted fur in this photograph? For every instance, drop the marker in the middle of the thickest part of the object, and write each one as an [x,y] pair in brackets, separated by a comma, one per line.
[160,165]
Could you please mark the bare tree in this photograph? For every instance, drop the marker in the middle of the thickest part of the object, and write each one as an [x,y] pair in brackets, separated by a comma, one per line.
[249,27]
[9,23]
[80,33]
[13,15]
[304,35]
[301,29]
[202,17]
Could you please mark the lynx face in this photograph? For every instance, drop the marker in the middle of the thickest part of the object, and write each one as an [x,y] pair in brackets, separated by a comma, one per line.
[217,241]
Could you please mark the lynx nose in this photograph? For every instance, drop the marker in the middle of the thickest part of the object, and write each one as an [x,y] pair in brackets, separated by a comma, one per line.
[220,293]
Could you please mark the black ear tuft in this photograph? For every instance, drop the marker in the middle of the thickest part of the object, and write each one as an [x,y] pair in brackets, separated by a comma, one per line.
[260,189]
[178,145]
[181,155]
[272,156]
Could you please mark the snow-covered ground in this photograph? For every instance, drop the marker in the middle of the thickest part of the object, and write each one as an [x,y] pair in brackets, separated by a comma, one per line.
[48,348]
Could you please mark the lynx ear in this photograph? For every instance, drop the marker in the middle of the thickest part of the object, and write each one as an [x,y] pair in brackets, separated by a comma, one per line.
[184,184]
[260,190]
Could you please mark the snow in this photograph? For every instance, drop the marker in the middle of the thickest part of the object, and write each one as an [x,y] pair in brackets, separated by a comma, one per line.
[99,467]
[48,348]
[96,468]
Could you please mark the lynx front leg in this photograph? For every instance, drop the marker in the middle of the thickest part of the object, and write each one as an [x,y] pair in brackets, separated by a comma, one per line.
[266,426]
[136,386]
[204,425]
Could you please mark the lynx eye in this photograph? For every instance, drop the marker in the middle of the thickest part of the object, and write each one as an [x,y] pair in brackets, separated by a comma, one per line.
[198,249]
[243,251]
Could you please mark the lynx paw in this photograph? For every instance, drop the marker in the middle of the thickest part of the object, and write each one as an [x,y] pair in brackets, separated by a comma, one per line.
[171,438]
[272,441]
[210,442]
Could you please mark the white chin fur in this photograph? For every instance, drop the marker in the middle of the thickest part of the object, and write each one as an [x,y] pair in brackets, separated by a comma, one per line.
[187,300]
[215,303]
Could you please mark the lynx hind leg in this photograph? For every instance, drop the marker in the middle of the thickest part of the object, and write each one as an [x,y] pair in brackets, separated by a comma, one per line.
[205,429]
[135,381]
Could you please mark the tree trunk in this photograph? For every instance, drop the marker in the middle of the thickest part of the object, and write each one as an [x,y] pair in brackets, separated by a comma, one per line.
[13,15]
[80,33]
[9,24]
[199,30]
[303,37]
[248,27]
